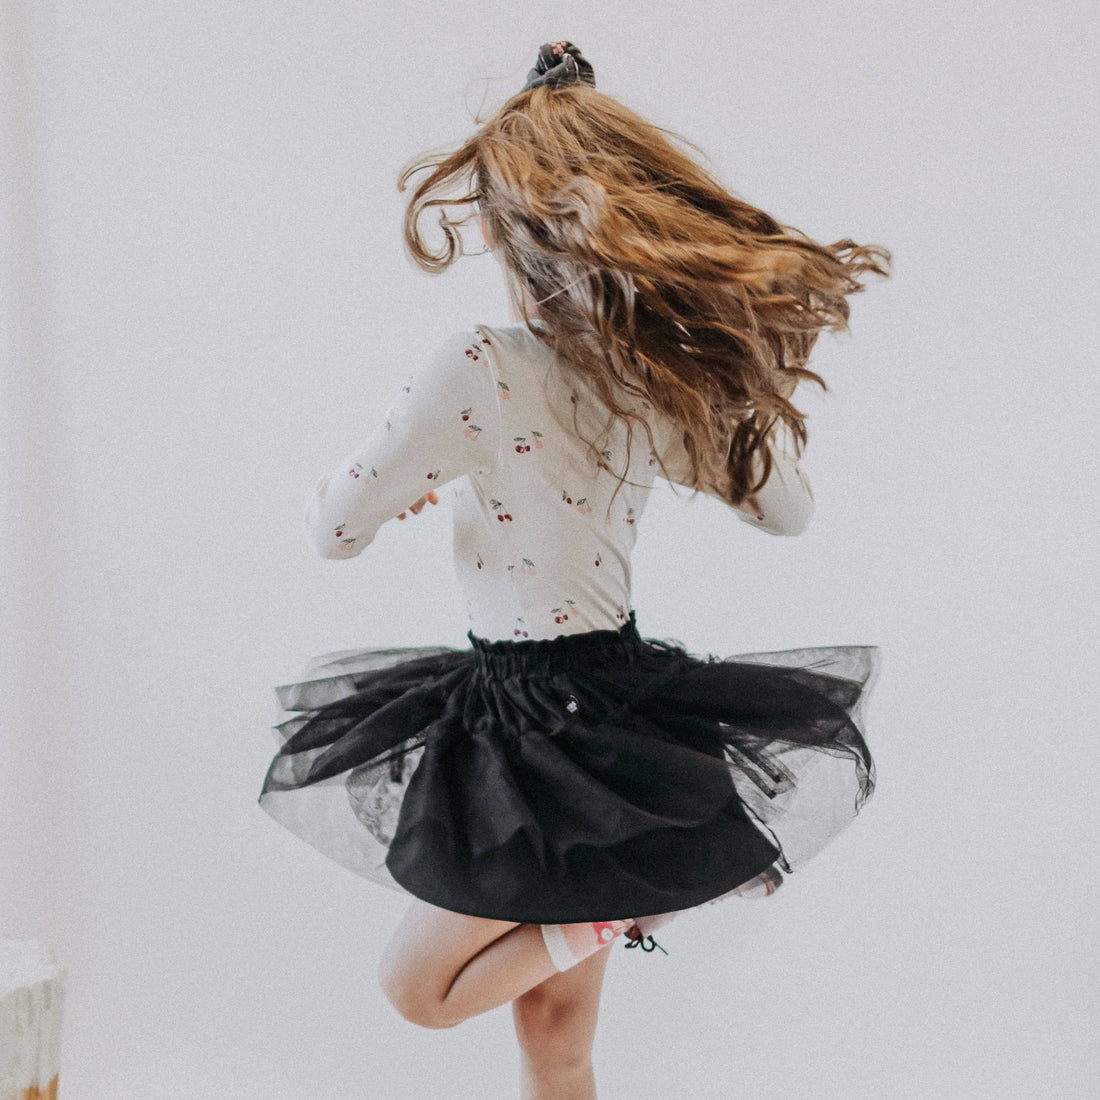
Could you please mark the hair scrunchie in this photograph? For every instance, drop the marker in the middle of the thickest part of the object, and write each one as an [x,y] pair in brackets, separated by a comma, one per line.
[560,64]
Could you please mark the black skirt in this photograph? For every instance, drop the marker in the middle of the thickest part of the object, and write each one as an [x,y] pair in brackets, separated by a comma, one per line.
[593,776]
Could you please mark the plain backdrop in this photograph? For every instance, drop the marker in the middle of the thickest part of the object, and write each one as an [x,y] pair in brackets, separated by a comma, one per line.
[205,304]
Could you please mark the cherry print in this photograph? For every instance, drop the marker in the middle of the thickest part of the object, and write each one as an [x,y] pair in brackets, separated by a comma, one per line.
[528,567]
[519,629]
[406,389]
[537,437]
[599,558]
[470,354]
[583,506]
[480,563]
[471,431]
[498,508]
[508,517]
[354,471]
[565,496]
[504,391]
[621,613]
[466,413]
[630,516]
[433,476]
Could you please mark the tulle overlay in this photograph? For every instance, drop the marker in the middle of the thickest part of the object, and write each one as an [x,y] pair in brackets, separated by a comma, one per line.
[594,776]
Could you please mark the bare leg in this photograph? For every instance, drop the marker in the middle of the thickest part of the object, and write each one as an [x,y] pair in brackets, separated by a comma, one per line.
[556,1023]
[441,968]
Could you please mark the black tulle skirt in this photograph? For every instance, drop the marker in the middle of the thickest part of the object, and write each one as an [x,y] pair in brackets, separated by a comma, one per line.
[592,776]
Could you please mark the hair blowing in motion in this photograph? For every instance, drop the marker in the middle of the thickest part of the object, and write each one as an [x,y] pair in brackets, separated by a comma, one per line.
[653,278]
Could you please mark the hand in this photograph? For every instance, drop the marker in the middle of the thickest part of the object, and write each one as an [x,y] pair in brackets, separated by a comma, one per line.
[428,498]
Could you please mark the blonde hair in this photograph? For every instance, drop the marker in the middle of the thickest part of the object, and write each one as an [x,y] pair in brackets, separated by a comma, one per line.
[653,279]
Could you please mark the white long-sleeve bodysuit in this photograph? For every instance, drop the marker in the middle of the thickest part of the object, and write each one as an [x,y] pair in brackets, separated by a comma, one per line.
[542,540]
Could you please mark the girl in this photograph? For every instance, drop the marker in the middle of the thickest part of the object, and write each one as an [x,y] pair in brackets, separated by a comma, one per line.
[564,781]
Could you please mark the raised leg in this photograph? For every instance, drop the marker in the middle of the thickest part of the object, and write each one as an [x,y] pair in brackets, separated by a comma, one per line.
[441,968]
[556,1024]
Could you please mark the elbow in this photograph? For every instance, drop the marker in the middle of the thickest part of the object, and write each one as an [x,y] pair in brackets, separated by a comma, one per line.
[786,504]
[797,518]
[333,553]
[335,544]
[792,525]
[791,521]
[788,525]
[330,536]
[323,544]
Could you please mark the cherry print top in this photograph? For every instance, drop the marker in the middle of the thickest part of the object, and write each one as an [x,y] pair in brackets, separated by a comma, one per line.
[542,539]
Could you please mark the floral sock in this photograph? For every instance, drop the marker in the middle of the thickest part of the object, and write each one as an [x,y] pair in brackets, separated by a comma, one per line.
[569,944]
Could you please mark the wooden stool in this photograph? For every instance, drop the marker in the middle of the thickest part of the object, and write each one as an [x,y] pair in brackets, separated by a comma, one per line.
[32,996]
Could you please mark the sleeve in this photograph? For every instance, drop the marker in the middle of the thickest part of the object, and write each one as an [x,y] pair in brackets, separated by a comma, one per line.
[444,423]
[783,506]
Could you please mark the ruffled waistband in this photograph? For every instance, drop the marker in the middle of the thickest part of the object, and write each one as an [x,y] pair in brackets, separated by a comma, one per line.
[566,652]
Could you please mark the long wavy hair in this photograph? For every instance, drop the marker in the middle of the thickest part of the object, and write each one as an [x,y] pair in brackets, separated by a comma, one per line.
[654,281]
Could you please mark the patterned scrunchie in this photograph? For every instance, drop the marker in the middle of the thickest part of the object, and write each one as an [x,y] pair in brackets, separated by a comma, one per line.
[559,65]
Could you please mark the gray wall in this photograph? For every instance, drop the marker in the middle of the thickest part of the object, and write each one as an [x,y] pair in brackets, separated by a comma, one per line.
[205,304]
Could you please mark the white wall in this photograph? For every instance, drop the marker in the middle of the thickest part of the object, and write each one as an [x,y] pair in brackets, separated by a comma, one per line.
[205,258]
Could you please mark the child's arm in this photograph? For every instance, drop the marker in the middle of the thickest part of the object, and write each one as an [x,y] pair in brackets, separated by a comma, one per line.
[783,506]
[786,502]
[445,423]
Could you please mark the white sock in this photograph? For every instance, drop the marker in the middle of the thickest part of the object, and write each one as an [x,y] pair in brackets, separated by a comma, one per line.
[569,944]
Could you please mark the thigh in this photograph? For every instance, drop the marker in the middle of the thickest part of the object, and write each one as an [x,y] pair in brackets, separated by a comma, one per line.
[431,945]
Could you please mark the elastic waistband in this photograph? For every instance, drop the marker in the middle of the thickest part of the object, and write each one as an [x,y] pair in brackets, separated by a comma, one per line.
[560,654]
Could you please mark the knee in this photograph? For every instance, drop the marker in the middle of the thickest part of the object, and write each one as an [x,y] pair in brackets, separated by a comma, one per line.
[553,1030]
[411,995]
